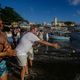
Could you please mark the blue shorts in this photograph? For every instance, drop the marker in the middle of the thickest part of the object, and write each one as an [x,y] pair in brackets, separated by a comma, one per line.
[3,68]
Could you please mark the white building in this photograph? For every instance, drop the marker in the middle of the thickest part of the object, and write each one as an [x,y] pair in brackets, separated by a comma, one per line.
[55,21]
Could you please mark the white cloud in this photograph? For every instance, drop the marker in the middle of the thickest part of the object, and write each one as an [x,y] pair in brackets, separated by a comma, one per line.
[74,2]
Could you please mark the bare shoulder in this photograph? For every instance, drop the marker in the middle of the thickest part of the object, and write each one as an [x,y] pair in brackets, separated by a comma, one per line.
[4,34]
[3,38]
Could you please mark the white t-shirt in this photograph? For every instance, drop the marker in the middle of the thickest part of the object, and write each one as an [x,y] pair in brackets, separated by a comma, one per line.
[26,43]
[41,35]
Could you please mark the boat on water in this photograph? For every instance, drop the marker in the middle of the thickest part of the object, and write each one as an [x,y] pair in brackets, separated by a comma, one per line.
[55,37]
[64,36]
[69,51]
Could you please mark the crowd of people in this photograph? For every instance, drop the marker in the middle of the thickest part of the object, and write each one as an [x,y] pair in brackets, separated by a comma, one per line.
[23,49]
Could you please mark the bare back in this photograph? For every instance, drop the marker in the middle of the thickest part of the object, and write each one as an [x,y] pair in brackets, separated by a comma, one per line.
[3,41]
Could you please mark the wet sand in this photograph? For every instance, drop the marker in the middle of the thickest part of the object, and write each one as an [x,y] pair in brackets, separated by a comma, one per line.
[55,71]
[45,67]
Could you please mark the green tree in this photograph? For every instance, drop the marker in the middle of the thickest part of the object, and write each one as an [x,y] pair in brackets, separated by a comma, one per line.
[9,15]
[69,23]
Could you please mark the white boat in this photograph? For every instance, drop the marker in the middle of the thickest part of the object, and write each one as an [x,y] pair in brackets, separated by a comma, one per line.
[55,37]
[61,36]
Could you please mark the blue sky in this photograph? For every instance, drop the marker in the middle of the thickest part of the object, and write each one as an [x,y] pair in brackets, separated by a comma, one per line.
[45,10]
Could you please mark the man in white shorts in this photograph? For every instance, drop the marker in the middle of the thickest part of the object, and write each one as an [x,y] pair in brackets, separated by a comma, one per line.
[24,47]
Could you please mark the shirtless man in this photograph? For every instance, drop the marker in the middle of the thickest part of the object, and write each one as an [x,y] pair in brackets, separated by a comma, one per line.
[5,50]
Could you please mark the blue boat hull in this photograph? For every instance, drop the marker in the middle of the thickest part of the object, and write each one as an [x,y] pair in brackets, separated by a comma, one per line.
[61,38]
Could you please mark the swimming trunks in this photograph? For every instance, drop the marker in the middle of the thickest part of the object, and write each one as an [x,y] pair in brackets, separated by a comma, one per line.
[3,68]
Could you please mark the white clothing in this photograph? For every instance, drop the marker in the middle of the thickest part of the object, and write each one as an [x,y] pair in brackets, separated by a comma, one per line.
[41,35]
[47,37]
[24,47]
[9,34]
[31,54]
[26,43]
[22,59]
